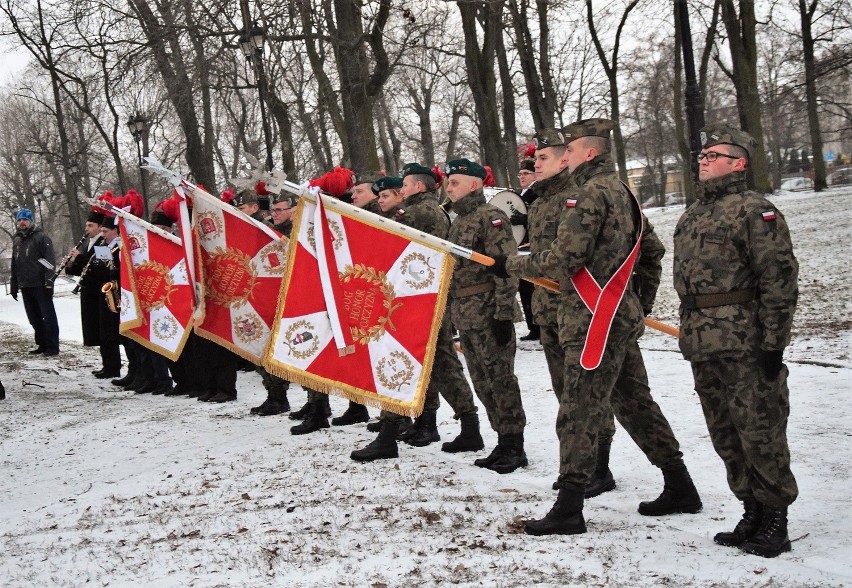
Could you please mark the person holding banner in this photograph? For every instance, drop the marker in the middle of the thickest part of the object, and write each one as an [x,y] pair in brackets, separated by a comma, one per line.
[597,241]
[482,309]
[421,211]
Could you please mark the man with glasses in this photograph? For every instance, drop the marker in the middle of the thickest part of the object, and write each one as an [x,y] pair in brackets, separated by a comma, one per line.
[736,276]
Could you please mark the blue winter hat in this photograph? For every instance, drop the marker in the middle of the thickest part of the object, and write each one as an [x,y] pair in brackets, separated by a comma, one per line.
[24,213]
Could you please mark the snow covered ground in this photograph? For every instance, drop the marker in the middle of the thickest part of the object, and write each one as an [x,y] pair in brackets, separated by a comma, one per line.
[103,487]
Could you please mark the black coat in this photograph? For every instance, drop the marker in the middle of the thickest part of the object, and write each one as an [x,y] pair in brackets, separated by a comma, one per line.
[91,297]
[103,272]
[27,248]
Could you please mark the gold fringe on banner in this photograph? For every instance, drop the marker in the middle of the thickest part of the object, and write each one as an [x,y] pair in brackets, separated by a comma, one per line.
[411,408]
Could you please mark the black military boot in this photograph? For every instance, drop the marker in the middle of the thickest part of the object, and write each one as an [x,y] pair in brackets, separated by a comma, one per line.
[484,462]
[355,413]
[746,528]
[679,495]
[382,447]
[2,391]
[427,432]
[276,403]
[566,516]
[469,439]
[602,481]
[512,455]
[407,432]
[126,380]
[771,540]
[221,397]
[317,419]
[146,388]
[302,413]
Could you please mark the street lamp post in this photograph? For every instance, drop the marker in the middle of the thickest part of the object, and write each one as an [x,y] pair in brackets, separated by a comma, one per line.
[251,44]
[138,125]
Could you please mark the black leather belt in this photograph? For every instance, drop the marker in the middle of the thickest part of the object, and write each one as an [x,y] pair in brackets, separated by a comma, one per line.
[693,301]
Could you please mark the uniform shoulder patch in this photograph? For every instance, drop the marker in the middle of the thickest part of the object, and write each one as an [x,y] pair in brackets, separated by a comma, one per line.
[769,215]
[496,222]
[571,203]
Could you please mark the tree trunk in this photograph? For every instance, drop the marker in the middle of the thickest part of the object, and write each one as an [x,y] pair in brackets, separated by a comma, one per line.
[536,69]
[510,126]
[680,123]
[741,31]
[806,11]
[481,77]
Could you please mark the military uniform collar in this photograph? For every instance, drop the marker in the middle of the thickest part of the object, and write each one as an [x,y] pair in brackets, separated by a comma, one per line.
[470,202]
[415,198]
[602,164]
[714,189]
[556,184]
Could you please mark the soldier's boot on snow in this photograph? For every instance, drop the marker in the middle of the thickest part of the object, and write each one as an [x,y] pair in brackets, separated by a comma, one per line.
[221,397]
[602,481]
[469,439]
[146,388]
[302,413]
[679,495]
[745,529]
[317,419]
[382,447]
[2,391]
[276,403]
[406,433]
[355,413]
[512,456]
[771,539]
[135,384]
[484,462]
[427,432]
[566,516]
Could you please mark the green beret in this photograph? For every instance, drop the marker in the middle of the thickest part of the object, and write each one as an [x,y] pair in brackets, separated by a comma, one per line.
[548,138]
[465,167]
[411,169]
[368,178]
[386,183]
[590,127]
[726,135]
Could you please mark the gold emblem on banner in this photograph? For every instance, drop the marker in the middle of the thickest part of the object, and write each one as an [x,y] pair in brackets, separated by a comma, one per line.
[229,277]
[248,327]
[165,327]
[336,232]
[395,370]
[300,340]
[368,300]
[154,285]
[420,275]
[274,257]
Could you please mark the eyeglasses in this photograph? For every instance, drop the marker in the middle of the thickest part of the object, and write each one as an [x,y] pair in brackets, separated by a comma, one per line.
[712,156]
[525,173]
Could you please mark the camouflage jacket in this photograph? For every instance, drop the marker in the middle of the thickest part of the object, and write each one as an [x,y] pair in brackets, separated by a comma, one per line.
[648,268]
[543,219]
[422,212]
[284,228]
[373,206]
[597,229]
[477,295]
[732,239]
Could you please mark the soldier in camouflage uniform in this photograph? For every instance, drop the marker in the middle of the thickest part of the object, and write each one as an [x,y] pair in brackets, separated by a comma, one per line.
[482,309]
[597,230]
[736,276]
[420,210]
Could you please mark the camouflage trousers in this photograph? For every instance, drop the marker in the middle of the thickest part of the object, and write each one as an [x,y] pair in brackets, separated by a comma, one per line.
[747,418]
[555,357]
[618,386]
[447,378]
[276,388]
[492,371]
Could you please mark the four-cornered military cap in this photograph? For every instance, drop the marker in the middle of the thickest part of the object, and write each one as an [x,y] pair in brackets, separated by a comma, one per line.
[548,138]
[465,167]
[368,178]
[245,196]
[410,169]
[290,199]
[590,127]
[386,183]
[528,164]
[726,135]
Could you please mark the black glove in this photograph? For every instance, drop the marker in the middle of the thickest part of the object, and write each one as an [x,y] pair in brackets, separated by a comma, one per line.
[518,219]
[15,294]
[504,331]
[770,363]
[499,267]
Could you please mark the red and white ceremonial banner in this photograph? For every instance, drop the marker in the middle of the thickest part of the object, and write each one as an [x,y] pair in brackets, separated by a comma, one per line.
[240,266]
[369,333]
[156,292]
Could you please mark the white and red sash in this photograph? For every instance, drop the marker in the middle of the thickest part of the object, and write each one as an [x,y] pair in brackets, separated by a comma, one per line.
[604,302]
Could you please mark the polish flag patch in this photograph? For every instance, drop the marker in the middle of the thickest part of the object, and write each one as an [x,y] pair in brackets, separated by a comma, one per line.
[571,203]
[400,212]
[769,215]
[496,222]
